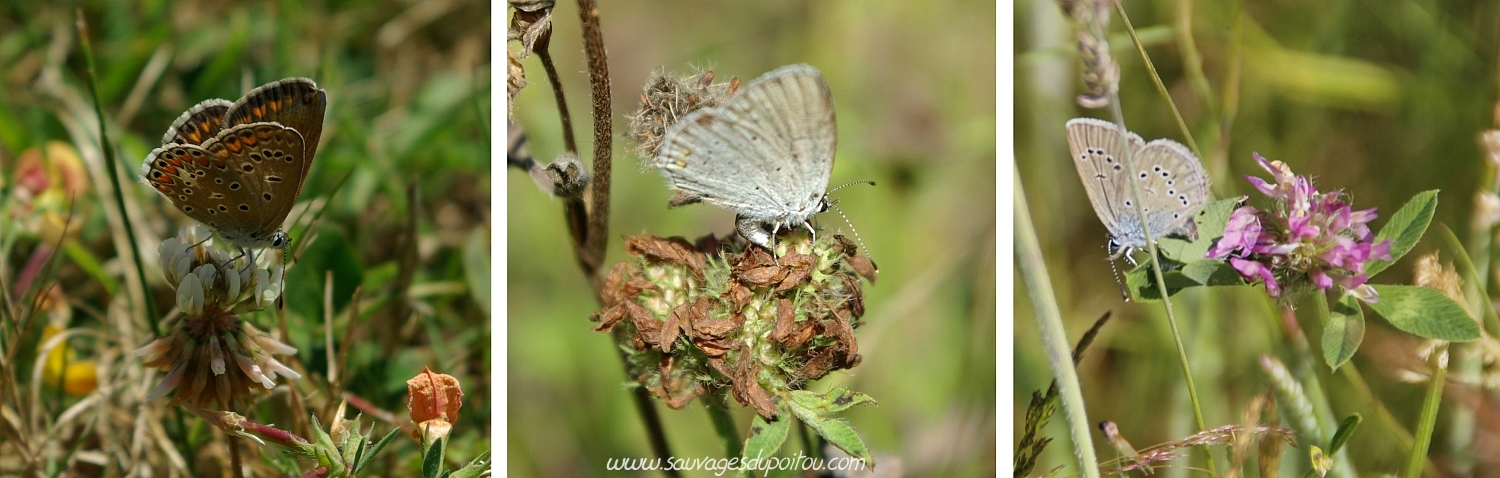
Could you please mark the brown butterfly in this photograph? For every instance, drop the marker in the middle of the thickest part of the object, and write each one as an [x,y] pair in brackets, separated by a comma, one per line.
[238,167]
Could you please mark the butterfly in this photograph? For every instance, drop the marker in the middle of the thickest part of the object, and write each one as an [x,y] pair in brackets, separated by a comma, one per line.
[239,167]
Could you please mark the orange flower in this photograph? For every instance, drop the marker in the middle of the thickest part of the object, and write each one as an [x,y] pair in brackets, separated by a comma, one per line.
[434,399]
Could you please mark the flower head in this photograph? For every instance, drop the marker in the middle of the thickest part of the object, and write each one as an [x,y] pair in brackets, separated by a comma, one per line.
[212,288]
[434,400]
[1305,239]
[713,316]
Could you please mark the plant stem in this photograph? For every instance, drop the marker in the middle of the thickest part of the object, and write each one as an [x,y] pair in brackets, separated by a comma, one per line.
[1161,282]
[724,425]
[1307,372]
[1054,335]
[1430,405]
[1156,79]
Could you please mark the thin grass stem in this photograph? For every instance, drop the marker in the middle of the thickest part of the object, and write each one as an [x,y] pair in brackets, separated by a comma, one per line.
[1140,48]
[1054,335]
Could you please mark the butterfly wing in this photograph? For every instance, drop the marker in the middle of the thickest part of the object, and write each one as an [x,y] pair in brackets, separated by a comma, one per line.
[765,154]
[296,103]
[1098,157]
[198,124]
[241,183]
[1173,186]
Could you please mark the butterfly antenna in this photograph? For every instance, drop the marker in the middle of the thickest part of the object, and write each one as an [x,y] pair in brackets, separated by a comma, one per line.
[836,209]
[1124,294]
[865,181]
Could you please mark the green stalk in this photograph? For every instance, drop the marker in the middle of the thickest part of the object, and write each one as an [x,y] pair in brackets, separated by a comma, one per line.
[1307,370]
[1161,284]
[114,176]
[1156,79]
[1054,335]
[724,425]
[1430,405]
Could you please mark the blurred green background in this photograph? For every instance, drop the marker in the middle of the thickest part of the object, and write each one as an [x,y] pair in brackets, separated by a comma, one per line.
[914,86]
[1380,99]
[408,106]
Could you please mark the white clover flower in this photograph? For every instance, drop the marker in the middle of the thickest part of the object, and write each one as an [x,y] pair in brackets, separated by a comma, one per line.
[213,357]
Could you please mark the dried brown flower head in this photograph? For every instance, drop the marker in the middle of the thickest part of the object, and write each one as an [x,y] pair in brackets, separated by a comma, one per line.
[668,97]
[714,315]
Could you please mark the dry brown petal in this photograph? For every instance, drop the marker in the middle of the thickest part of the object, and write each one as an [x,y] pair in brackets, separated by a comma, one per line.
[432,396]
[515,80]
[863,266]
[706,326]
[714,347]
[841,331]
[856,300]
[681,399]
[804,332]
[798,267]
[614,289]
[747,390]
[607,318]
[533,28]
[647,327]
[720,365]
[786,318]
[678,386]
[818,365]
[756,268]
[738,295]
[669,331]
[675,250]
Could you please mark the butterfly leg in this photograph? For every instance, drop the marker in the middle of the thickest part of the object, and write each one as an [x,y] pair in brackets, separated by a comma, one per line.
[751,230]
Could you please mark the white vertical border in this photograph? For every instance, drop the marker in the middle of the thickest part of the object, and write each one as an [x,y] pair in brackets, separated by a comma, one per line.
[1005,142]
[499,398]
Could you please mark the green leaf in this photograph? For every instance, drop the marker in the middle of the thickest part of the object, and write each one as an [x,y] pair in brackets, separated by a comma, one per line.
[1405,228]
[380,445]
[1345,430]
[1213,217]
[325,445]
[474,468]
[1343,332]
[836,400]
[1174,248]
[766,437]
[1210,221]
[1201,272]
[1143,289]
[432,458]
[832,429]
[1425,313]
[1212,272]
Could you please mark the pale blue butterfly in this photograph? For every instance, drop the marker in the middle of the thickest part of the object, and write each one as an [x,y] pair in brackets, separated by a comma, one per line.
[1172,181]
